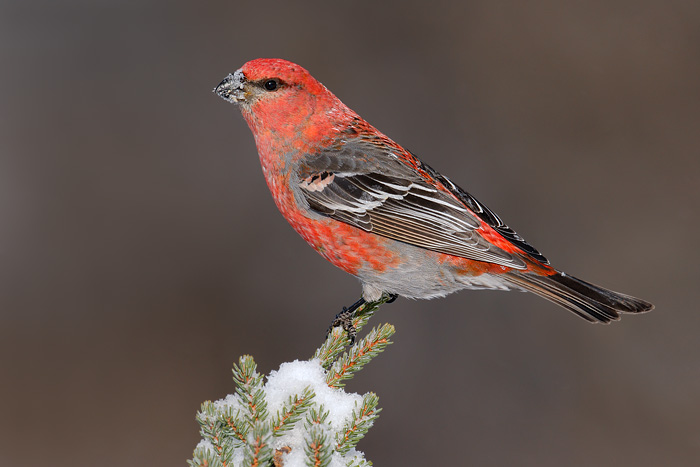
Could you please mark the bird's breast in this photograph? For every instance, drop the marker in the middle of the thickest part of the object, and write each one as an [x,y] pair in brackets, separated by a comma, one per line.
[347,247]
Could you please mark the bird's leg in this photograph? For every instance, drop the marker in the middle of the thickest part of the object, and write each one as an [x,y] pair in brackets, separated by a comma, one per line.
[344,319]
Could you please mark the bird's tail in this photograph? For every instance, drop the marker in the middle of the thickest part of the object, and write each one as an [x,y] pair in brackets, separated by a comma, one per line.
[591,302]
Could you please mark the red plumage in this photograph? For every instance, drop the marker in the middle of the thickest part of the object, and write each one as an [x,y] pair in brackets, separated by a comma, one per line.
[376,211]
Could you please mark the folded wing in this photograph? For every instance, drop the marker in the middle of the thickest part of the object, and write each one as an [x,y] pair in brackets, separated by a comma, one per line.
[366,185]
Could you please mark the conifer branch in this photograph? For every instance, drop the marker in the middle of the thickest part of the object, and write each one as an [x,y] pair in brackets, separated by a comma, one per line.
[250,389]
[239,430]
[359,462]
[317,416]
[362,420]
[359,355]
[292,411]
[338,339]
[214,429]
[204,458]
[234,427]
[258,449]
[317,449]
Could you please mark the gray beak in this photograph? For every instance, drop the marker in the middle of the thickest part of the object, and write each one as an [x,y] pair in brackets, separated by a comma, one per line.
[231,88]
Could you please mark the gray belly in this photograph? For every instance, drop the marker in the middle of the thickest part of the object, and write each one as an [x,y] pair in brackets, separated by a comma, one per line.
[421,275]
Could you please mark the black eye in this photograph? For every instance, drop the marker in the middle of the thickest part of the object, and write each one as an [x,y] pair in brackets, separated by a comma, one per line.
[271,84]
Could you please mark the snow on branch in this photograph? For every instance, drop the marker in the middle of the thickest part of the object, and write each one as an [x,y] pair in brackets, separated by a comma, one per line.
[314,422]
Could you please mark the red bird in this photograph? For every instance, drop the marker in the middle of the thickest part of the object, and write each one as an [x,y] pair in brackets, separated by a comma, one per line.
[375,210]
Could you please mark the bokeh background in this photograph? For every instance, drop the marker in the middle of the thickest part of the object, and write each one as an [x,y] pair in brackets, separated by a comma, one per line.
[141,253]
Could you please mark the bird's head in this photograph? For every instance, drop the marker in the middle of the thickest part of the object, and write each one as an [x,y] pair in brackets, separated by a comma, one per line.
[266,79]
[279,95]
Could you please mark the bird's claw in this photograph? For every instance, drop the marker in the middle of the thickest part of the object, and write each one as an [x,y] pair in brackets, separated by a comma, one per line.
[344,319]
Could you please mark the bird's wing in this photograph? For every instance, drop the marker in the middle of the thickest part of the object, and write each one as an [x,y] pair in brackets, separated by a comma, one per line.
[367,185]
[488,216]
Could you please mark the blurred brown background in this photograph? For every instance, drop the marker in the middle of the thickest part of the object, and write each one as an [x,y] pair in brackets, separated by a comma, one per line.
[141,253]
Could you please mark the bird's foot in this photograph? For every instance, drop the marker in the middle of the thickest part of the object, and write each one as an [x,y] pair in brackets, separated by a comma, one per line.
[344,319]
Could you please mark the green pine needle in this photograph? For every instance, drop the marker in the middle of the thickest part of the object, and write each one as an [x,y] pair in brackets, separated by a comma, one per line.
[258,451]
[234,427]
[359,355]
[241,427]
[338,339]
[317,416]
[363,418]
[358,462]
[292,412]
[204,458]
[250,389]
[318,449]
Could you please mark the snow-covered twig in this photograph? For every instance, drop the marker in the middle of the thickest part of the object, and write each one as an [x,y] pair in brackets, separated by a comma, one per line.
[315,422]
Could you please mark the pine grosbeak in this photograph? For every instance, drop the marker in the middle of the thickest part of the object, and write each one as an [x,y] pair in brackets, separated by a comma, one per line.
[375,210]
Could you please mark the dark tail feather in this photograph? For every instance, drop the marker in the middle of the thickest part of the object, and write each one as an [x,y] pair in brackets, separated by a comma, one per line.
[589,301]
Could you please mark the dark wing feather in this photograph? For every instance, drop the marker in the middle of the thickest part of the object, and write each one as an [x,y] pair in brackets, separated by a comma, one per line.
[367,186]
[488,216]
